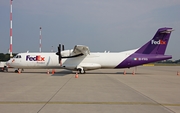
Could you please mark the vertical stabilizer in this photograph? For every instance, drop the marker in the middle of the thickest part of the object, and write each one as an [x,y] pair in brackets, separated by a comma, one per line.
[158,44]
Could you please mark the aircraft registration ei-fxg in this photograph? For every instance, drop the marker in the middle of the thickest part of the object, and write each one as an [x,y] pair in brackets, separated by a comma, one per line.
[81,59]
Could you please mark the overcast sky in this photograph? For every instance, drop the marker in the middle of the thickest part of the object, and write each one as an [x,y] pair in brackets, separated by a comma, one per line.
[111,25]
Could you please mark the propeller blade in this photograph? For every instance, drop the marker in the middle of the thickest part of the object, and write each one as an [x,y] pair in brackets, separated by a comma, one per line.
[63,48]
[59,53]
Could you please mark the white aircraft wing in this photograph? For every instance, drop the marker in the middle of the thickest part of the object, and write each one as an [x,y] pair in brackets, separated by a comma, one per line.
[80,49]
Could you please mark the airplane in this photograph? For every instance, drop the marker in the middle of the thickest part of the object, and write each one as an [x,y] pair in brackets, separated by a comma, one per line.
[80,58]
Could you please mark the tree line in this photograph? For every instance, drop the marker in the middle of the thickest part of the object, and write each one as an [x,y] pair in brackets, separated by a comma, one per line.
[6,57]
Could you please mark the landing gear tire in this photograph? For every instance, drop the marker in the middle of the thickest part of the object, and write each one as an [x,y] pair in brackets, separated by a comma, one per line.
[19,70]
[81,71]
[16,71]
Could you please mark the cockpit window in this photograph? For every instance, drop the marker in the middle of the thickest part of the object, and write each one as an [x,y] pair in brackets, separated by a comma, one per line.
[17,56]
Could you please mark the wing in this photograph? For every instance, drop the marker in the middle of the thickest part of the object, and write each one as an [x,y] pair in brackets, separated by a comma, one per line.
[81,49]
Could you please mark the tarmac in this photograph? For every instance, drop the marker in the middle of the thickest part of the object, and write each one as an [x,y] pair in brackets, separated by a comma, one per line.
[144,89]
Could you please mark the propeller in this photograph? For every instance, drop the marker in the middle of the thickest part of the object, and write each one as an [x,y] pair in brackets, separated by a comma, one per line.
[60,57]
[59,53]
[63,48]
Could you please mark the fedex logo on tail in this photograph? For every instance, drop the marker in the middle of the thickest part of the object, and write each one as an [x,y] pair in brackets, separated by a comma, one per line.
[35,58]
[160,42]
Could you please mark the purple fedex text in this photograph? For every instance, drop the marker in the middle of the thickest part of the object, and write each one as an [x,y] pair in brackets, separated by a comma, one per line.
[35,58]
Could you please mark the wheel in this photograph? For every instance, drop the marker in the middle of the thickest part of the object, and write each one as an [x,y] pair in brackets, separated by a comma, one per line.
[84,72]
[16,71]
[81,71]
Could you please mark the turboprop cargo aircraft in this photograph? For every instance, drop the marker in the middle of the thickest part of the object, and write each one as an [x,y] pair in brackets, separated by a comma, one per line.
[81,59]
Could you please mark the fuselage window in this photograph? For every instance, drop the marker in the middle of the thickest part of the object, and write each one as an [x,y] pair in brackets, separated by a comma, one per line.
[17,56]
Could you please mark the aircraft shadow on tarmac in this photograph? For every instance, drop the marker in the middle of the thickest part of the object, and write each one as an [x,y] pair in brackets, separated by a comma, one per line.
[62,73]
[66,72]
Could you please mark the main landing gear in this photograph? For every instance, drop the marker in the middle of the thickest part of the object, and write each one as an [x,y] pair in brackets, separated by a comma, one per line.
[81,70]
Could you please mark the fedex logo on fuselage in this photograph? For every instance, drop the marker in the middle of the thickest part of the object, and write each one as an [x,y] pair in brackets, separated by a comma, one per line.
[35,58]
[160,42]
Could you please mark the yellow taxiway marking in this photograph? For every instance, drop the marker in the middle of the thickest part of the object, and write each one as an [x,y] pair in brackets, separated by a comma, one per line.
[106,103]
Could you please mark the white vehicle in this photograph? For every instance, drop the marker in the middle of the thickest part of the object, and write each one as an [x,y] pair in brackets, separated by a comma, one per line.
[3,67]
[81,59]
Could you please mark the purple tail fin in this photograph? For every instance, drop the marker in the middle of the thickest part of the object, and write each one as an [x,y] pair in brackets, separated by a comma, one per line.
[158,44]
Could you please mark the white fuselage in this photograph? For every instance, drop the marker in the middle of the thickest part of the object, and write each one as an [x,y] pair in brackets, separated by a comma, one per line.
[50,61]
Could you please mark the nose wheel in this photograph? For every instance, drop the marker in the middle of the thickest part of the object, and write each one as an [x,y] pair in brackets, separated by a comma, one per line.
[18,70]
